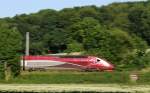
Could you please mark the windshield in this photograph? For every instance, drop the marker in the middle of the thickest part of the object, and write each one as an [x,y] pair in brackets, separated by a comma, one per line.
[101,61]
[98,60]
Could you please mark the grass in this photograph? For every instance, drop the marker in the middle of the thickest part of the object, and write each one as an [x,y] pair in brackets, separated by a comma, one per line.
[73,88]
[75,77]
[76,82]
[69,77]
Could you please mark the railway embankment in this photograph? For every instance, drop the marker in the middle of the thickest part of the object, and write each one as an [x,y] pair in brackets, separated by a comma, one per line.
[77,82]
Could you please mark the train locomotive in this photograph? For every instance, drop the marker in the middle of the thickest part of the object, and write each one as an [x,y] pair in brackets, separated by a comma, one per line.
[87,63]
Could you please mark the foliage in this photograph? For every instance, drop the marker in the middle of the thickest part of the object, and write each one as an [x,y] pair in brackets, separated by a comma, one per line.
[113,44]
[115,32]
[74,77]
[2,74]
[71,77]
[74,47]
[10,44]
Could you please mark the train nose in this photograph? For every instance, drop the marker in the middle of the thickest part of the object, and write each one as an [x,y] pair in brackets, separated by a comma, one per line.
[111,67]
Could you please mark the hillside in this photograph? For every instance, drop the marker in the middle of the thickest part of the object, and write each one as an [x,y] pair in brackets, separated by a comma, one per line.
[119,32]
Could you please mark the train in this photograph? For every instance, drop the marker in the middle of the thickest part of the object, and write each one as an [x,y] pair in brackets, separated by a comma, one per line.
[86,63]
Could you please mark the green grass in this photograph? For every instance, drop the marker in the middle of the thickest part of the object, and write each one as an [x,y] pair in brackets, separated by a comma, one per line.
[77,82]
[65,77]
[144,78]
[73,88]
[74,77]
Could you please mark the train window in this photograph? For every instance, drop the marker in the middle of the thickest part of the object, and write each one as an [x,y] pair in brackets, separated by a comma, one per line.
[98,60]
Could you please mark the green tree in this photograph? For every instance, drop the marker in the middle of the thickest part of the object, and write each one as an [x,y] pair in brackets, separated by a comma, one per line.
[74,47]
[140,22]
[113,31]
[80,30]
[113,44]
[10,44]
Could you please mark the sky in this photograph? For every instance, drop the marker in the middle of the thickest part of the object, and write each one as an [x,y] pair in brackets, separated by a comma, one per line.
[9,8]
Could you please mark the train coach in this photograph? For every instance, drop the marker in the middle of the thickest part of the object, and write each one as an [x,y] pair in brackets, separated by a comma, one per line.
[87,63]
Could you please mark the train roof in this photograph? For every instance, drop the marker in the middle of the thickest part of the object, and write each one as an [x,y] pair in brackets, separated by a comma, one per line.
[66,55]
[60,56]
[73,56]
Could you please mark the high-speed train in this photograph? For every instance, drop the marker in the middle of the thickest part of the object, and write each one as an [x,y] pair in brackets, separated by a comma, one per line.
[87,63]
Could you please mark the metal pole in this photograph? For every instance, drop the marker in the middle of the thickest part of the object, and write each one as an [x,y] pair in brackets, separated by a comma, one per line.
[26,50]
[27,44]
[23,64]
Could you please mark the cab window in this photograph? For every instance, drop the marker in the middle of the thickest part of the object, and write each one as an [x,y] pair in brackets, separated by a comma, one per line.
[98,60]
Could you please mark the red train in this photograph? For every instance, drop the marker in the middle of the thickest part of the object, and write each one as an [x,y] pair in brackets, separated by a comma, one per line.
[88,63]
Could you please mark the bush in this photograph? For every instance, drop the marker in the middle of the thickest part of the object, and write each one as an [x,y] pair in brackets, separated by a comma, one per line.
[10,44]
[1,70]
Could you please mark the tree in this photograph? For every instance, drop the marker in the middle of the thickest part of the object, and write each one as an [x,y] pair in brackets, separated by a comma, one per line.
[140,22]
[116,32]
[113,44]
[80,30]
[10,44]
[74,47]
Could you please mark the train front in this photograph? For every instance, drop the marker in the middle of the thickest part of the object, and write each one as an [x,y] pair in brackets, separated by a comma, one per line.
[104,65]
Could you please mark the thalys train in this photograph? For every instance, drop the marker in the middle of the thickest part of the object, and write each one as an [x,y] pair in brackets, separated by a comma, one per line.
[87,63]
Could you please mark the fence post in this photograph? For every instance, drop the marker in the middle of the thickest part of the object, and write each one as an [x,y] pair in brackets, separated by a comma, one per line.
[134,77]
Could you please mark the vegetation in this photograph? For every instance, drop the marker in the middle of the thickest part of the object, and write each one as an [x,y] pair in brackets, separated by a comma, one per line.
[69,77]
[118,32]
[9,59]
[74,77]
[72,88]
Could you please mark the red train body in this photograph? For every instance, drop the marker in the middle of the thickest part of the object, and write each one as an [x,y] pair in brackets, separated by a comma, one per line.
[70,62]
